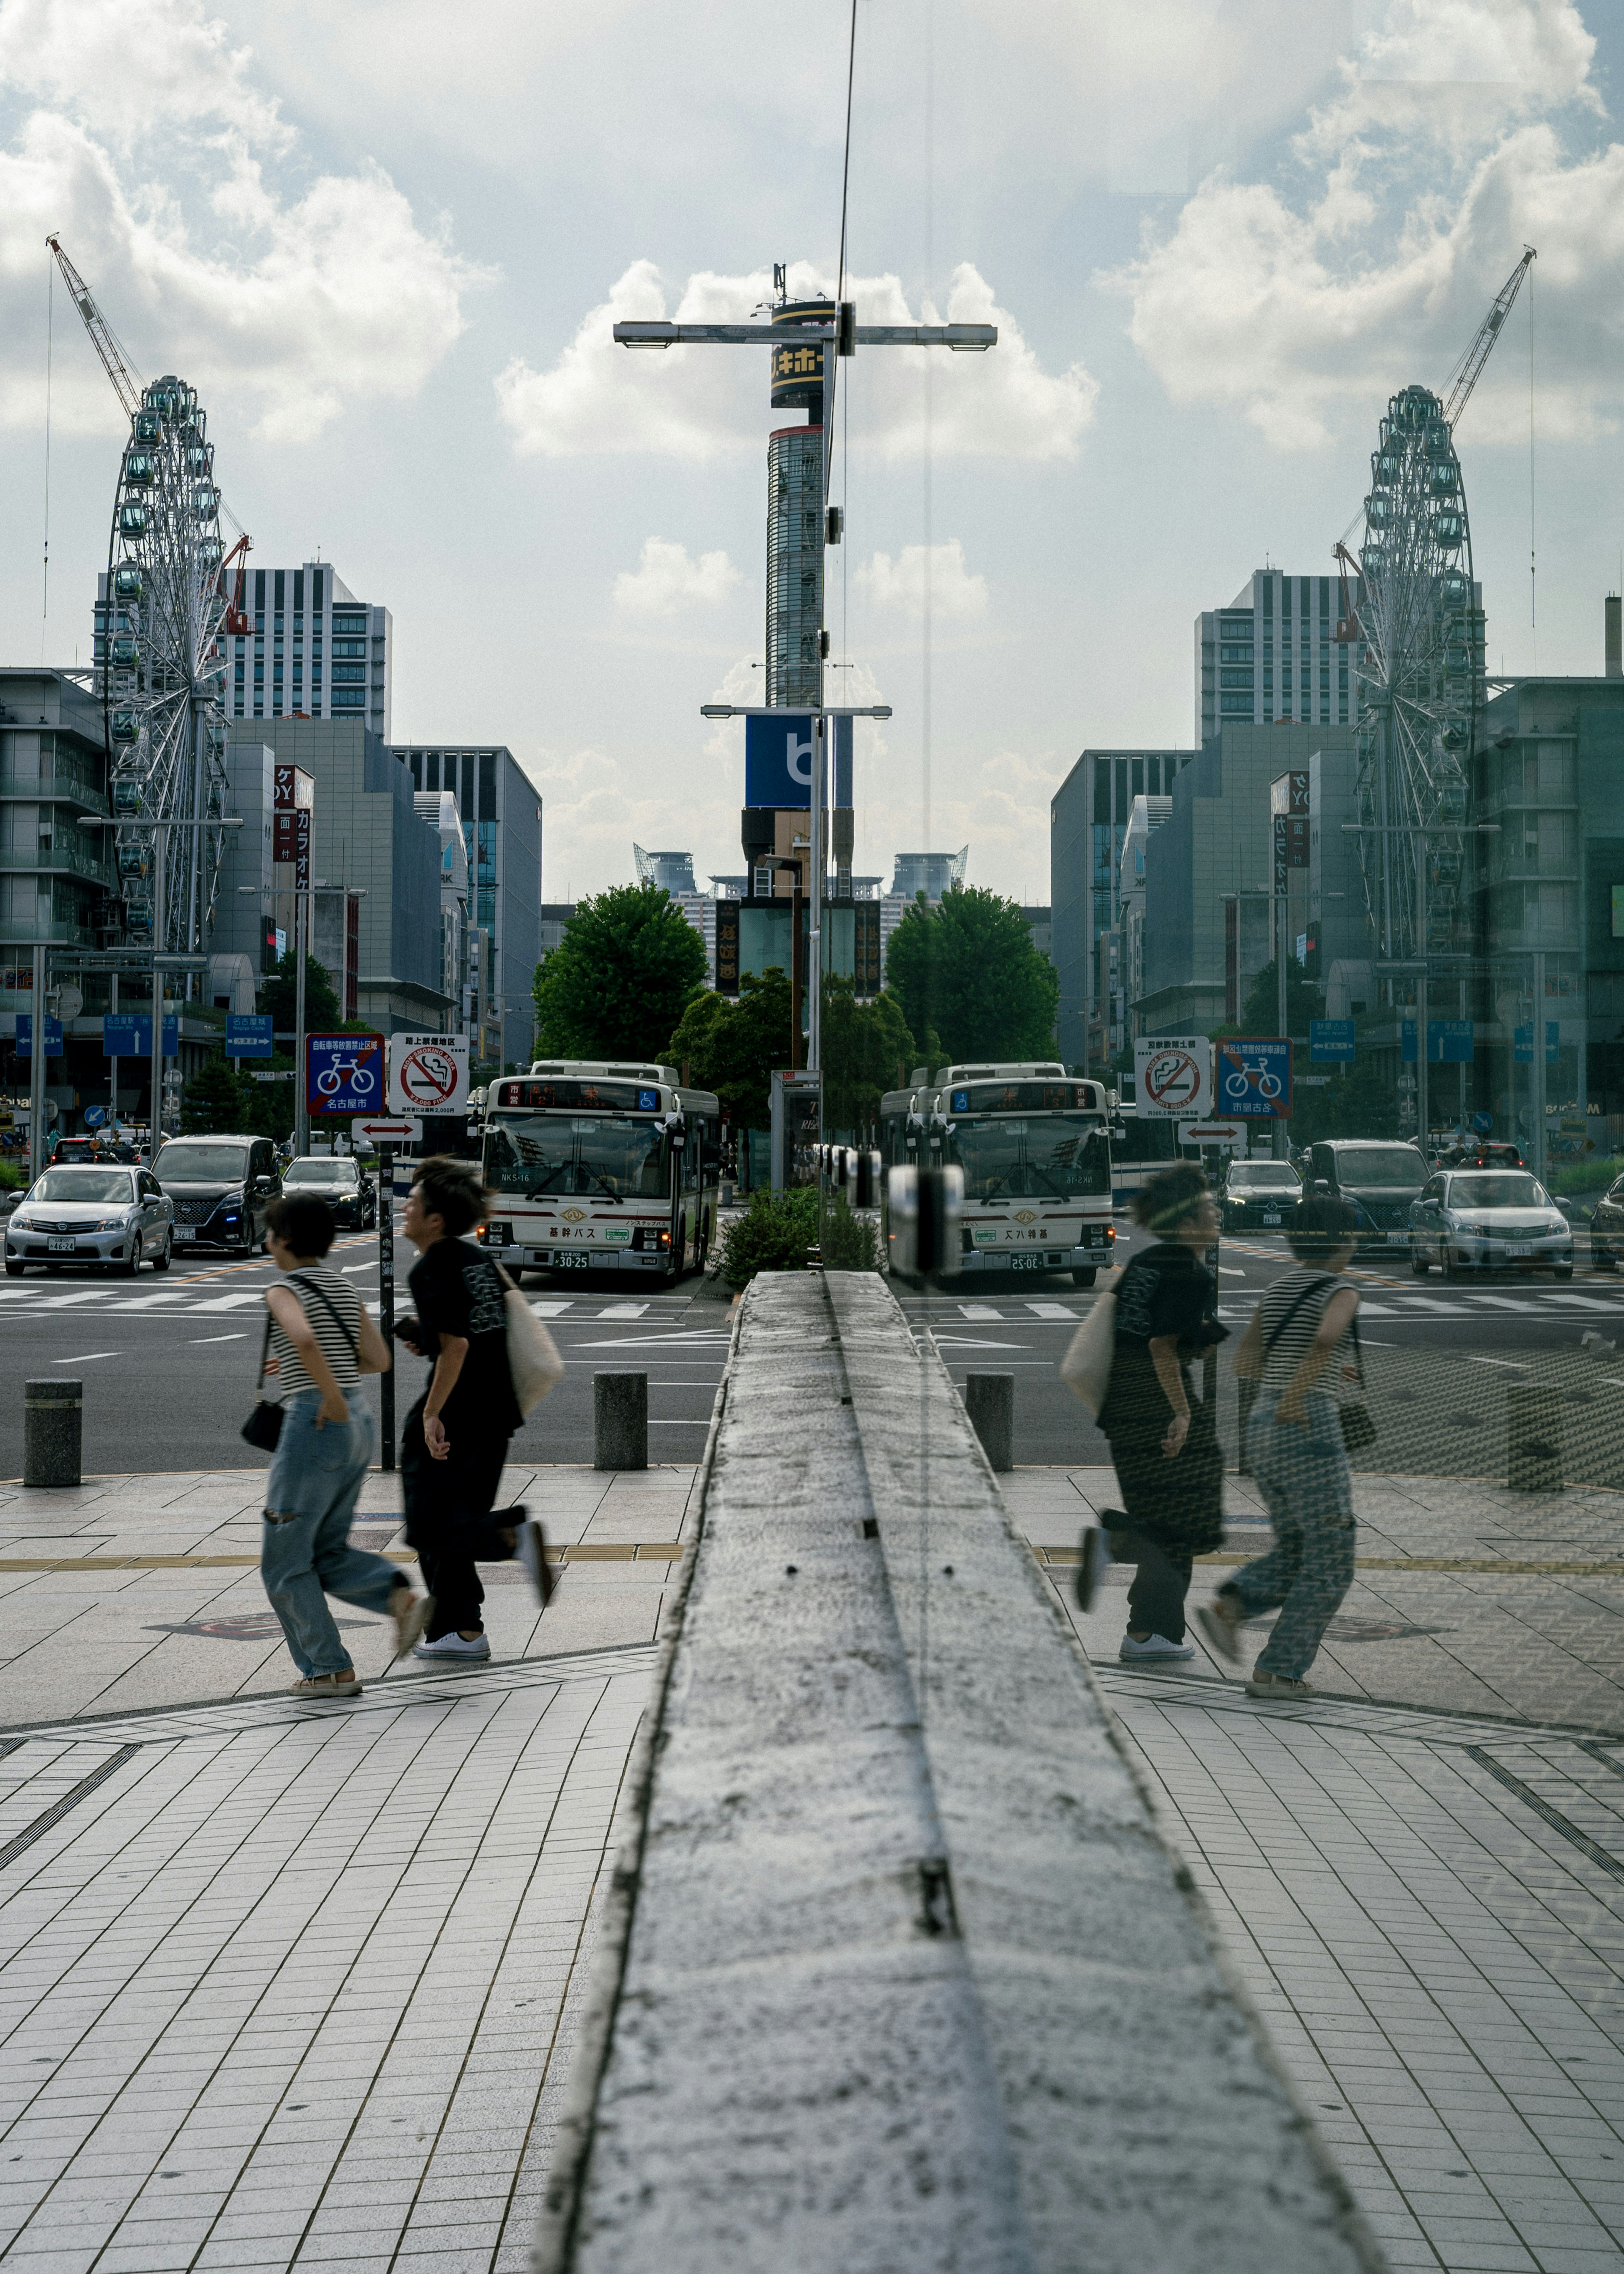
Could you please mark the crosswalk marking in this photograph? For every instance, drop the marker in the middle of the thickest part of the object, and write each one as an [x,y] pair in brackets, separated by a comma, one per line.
[979,1311]
[151,1302]
[623,1311]
[554,1310]
[231,1302]
[1050,1311]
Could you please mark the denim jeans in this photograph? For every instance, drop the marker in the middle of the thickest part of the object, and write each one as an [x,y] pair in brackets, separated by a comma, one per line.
[1303,1476]
[305,1552]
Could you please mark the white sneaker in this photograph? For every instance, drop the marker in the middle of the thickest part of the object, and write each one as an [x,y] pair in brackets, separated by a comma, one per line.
[453,1645]
[1154,1646]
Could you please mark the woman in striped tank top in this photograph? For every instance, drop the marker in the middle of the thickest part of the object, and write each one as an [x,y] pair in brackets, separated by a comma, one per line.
[320,1341]
[1299,1347]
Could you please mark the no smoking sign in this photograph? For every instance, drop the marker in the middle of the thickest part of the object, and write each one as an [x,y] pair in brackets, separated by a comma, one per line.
[1173,1077]
[428,1073]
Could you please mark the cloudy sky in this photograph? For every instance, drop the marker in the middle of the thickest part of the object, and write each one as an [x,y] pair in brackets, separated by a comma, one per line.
[386,243]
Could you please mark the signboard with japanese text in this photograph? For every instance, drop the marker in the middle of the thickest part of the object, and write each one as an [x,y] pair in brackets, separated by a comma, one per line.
[1173,1077]
[428,1073]
[1449,1042]
[1330,1042]
[24,1035]
[248,1036]
[128,1035]
[343,1074]
[1254,1076]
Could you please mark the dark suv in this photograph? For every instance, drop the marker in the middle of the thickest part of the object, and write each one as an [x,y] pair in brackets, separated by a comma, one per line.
[1607,1229]
[222,1188]
[1378,1177]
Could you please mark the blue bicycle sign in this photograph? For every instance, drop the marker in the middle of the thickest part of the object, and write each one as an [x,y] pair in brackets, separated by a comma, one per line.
[1254,1075]
[343,1073]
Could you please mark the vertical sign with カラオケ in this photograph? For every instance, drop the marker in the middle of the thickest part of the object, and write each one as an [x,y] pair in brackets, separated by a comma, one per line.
[428,1073]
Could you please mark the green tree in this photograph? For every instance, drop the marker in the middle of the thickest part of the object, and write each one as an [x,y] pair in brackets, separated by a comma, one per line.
[732,1047]
[864,1045]
[279,995]
[212,1103]
[1260,1010]
[966,970]
[618,983]
[267,1106]
[1356,1102]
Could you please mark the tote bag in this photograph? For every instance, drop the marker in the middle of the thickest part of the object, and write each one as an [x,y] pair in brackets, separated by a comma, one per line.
[1086,1368]
[532,1355]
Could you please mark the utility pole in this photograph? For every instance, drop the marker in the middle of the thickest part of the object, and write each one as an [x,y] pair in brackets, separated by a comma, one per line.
[301,1103]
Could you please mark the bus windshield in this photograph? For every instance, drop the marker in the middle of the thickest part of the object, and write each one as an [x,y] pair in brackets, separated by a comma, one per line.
[1057,1157]
[548,1155]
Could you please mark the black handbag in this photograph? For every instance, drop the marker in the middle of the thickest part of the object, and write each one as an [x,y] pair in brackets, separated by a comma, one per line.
[263,1428]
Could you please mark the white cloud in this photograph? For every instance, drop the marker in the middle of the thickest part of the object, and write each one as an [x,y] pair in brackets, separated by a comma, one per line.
[955,594]
[148,150]
[594,813]
[1285,309]
[701,403]
[667,580]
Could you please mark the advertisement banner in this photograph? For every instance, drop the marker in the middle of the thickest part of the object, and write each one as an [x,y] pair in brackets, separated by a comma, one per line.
[778,759]
[1173,1077]
[1254,1076]
[428,1073]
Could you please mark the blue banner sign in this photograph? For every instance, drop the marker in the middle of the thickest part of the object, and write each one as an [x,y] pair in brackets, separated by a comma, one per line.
[1522,1043]
[1252,1075]
[24,1035]
[1449,1042]
[249,1035]
[778,759]
[1330,1042]
[344,1073]
[128,1035]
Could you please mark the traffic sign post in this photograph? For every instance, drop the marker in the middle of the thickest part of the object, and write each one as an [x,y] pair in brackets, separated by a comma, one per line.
[1229,1135]
[1254,1076]
[128,1035]
[428,1073]
[343,1074]
[385,1299]
[1173,1077]
[249,1035]
[24,1035]
[1330,1042]
[374,1130]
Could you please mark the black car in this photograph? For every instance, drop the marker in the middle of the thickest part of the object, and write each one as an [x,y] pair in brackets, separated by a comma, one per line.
[1607,1228]
[222,1187]
[1259,1196]
[1378,1177]
[338,1180]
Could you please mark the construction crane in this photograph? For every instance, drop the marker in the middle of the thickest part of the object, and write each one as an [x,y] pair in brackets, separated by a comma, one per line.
[1466,373]
[115,361]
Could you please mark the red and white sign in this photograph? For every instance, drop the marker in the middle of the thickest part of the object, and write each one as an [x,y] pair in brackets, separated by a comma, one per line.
[1173,1077]
[386,1133]
[428,1073]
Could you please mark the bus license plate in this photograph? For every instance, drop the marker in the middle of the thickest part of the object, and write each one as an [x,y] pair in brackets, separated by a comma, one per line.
[1023,1262]
[571,1261]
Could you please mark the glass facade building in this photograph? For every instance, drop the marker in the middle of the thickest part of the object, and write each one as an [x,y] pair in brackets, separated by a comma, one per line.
[1272,655]
[1088,819]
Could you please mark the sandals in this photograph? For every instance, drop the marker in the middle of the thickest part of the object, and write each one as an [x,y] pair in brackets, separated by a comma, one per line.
[328,1685]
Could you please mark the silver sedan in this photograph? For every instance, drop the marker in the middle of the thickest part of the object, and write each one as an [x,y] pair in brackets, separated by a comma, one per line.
[111,1219]
[1493,1220]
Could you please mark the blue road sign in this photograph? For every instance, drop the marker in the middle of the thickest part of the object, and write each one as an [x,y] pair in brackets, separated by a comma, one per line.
[128,1035]
[1449,1042]
[1522,1043]
[249,1035]
[24,1035]
[1483,1123]
[778,759]
[1252,1075]
[95,1115]
[1330,1042]
[344,1073]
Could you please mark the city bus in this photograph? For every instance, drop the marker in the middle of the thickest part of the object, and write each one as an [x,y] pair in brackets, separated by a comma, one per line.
[1035,1146]
[594,1166]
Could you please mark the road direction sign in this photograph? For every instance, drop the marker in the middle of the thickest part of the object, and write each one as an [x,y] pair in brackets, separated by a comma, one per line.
[1173,1077]
[343,1074]
[128,1035]
[24,1035]
[428,1073]
[95,1115]
[248,1035]
[1254,1076]
[1330,1042]
[1231,1134]
[376,1131]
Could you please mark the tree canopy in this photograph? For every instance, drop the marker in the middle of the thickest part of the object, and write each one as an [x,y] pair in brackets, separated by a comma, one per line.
[211,1099]
[618,984]
[967,972]
[732,1047]
[1260,1010]
[867,1050]
[323,1014]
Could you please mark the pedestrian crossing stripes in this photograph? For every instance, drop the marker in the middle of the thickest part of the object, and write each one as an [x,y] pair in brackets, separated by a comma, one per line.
[1390,1303]
[192,1302]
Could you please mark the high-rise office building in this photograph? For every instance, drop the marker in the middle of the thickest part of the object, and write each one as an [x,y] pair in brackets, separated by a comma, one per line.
[913,873]
[1088,818]
[1273,655]
[312,651]
[500,808]
[673,872]
[794,670]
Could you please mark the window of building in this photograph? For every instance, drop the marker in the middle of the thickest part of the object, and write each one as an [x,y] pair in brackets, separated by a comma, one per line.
[1153,776]
[1122,786]
[350,671]
[1235,654]
[1234,679]
[355,625]
[1102,790]
[1136,768]
[348,647]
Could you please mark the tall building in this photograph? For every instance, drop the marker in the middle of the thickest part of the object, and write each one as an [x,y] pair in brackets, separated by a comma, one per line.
[795,519]
[57,880]
[314,651]
[1088,819]
[673,872]
[1145,817]
[912,874]
[500,809]
[1273,654]
[437,809]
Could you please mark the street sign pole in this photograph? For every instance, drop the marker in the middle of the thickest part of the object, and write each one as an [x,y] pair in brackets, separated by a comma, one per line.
[386,1297]
[301,1102]
[155,1118]
[36,1064]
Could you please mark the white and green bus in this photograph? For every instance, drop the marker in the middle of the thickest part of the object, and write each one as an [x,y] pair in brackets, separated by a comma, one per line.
[596,1166]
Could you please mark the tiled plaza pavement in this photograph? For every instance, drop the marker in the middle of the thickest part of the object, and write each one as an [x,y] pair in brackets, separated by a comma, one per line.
[132,1592]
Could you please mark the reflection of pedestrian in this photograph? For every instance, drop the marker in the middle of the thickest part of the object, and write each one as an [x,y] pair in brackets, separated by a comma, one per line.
[1164,1440]
[454,1443]
[319,1344]
[1302,1337]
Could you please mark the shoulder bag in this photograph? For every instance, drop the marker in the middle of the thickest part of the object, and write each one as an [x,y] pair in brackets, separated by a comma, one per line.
[533,1362]
[263,1428]
[1353,1417]
[1086,1368]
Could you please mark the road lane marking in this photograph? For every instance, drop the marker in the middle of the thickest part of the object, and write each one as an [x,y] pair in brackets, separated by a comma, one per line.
[229,1302]
[150,1302]
[85,1358]
[623,1311]
[192,1340]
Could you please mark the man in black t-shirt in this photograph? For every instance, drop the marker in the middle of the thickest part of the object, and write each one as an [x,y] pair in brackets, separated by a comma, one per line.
[454,1443]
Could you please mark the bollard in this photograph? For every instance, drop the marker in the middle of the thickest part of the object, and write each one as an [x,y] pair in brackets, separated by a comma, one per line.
[619,1421]
[53,1413]
[989,1401]
[1533,1438]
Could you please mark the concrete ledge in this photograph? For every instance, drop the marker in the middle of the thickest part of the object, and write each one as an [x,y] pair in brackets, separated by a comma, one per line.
[896,1968]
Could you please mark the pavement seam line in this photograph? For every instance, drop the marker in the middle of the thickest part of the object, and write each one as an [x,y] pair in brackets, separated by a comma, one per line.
[1558,1822]
[58,1809]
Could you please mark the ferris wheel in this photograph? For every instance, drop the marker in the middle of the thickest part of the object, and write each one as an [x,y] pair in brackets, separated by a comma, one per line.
[1420,678]
[164,675]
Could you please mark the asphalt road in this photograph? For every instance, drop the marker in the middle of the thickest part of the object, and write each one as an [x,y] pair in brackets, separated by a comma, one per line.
[167,1363]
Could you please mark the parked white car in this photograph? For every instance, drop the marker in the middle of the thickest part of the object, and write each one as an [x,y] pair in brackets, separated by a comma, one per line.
[1488,1220]
[104,1219]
